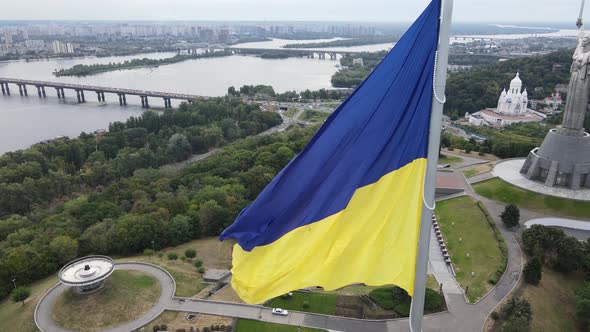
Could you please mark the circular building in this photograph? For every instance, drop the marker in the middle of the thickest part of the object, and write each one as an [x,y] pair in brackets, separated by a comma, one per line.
[87,274]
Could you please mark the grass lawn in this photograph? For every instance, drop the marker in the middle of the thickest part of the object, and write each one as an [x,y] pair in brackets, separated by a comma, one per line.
[314,116]
[320,303]
[213,253]
[554,307]
[432,283]
[478,169]
[502,191]
[466,231]
[16,317]
[448,159]
[290,113]
[125,296]
[245,325]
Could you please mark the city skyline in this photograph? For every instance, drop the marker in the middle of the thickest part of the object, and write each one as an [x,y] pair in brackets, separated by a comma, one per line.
[288,10]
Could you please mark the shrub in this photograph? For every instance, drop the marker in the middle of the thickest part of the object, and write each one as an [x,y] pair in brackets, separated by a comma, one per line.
[206,329]
[494,315]
[397,299]
[183,258]
[517,308]
[160,254]
[172,256]
[164,327]
[148,252]
[433,300]
[516,324]
[20,294]
[305,305]
[190,253]
[493,280]
[533,271]
[156,328]
[583,304]
[201,270]
[180,330]
[198,263]
[511,216]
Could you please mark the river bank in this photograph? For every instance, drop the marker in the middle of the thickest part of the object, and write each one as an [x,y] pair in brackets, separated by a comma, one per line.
[85,70]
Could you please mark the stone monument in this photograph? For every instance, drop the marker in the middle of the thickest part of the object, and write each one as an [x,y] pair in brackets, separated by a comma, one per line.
[564,157]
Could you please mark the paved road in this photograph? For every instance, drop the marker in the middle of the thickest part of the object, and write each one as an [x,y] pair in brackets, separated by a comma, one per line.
[45,323]
[461,316]
[467,161]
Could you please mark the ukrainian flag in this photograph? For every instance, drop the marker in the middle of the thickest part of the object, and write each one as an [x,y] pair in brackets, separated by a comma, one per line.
[347,209]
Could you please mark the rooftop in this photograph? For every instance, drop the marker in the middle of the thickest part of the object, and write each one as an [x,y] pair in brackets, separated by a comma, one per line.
[86,270]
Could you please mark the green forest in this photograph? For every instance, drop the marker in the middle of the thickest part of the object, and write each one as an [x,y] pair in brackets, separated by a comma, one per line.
[475,89]
[480,87]
[116,193]
[84,70]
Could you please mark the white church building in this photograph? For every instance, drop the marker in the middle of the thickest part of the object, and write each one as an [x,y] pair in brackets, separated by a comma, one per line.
[512,108]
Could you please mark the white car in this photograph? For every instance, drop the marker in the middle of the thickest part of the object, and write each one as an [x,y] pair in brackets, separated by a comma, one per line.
[280,312]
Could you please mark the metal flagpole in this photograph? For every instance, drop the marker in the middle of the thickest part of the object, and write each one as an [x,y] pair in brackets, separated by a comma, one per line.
[440,81]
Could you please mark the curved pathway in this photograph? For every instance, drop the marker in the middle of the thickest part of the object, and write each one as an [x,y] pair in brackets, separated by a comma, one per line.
[45,323]
[461,316]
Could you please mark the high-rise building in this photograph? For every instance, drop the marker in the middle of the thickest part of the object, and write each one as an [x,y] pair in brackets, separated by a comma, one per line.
[62,48]
[7,38]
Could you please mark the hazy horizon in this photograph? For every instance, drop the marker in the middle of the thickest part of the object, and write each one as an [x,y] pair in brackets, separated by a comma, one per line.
[369,11]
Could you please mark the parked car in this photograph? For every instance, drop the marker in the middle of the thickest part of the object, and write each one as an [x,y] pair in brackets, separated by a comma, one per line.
[280,312]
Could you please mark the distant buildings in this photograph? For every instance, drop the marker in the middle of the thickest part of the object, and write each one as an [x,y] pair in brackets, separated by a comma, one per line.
[59,47]
[34,44]
[550,104]
[7,38]
[512,108]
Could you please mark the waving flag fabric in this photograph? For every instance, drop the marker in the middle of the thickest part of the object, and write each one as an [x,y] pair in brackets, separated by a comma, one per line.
[347,209]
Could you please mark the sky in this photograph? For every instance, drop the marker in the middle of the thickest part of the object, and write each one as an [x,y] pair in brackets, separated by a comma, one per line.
[288,10]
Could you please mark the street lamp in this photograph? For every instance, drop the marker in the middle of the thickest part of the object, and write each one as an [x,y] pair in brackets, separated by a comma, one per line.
[14,282]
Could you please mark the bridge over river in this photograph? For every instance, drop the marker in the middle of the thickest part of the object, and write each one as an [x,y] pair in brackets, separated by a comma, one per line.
[300,52]
[310,53]
[100,91]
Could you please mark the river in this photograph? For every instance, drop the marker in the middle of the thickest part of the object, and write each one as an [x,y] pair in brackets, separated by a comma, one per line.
[27,120]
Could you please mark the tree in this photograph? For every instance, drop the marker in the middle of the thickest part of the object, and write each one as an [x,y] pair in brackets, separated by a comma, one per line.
[172,256]
[198,263]
[190,253]
[583,304]
[20,294]
[533,271]
[63,248]
[178,147]
[511,216]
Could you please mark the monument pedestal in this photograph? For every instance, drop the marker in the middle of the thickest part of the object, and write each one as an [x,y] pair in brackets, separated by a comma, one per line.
[561,160]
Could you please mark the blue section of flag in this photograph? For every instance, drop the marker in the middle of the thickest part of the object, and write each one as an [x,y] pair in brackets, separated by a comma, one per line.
[381,127]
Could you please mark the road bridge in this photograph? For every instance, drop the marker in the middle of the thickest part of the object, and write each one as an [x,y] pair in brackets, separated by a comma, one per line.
[99,90]
[310,53]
